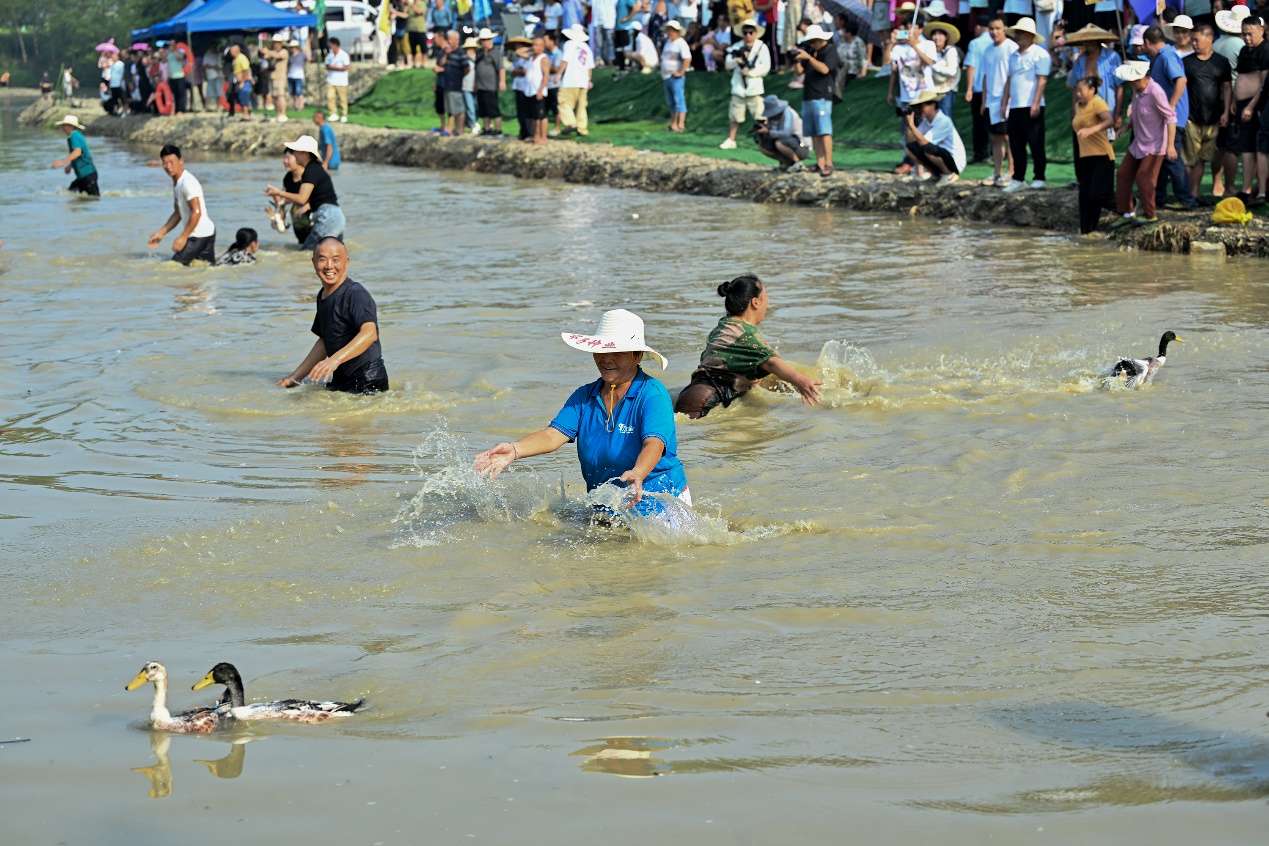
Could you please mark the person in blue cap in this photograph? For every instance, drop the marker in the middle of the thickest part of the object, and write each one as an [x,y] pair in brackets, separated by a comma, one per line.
[623,422]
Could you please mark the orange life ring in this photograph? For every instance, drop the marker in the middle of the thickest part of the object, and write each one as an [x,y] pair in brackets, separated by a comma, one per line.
[163,99]
[189,59]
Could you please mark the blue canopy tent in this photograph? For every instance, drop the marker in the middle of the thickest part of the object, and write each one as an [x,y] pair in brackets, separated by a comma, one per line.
[211,16]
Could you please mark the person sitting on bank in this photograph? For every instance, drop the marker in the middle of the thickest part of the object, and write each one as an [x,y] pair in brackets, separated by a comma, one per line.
[735,357]
[934,142]
[197,239]
[79,159]
[623,422]
[346,355]
[243,251]
[313,189]
[778,133]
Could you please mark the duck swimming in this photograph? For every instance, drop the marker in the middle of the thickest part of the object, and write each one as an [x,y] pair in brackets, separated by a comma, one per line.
[1140,371]
[234,702]
[195,721]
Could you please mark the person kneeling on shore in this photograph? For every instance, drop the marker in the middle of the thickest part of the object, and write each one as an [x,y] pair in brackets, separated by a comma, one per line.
[735,357]
[346,355]
[934,142]
[778,133]
[313,189]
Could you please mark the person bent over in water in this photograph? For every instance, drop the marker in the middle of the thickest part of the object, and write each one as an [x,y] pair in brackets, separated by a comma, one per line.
[346,354]
[735,357]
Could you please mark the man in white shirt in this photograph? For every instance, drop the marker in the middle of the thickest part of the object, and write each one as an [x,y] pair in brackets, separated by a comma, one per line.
[604,16]
[643,53]
[1029,69]
[749,61]
[337,64]
[933,140]
[574,73]
[995,72]
[197,238]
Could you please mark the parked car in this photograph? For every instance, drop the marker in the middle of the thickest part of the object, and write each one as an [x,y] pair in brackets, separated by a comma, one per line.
[351,21]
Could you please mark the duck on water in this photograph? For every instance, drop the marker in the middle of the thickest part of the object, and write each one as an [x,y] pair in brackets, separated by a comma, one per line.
[1140,371]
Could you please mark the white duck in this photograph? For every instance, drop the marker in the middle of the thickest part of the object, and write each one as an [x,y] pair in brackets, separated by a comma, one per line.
[1140,371]
[194,721]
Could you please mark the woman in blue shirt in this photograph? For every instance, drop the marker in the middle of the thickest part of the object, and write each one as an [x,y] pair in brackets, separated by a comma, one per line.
[623,422]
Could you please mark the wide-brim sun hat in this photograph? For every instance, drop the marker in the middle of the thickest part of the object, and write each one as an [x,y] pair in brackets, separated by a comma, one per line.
[277,36]
[72,121]
[471,44]
[519,41]
[1231,20]
[292,43]
[485,35]
[1132,71]
[303,144]
[772,106]
[953,34]
[619,331]
[674,25]
[1026,25]
[1092,34]
[759,29]
[929,95]
[906,7]
[936,9]
[816,33]
[575,33]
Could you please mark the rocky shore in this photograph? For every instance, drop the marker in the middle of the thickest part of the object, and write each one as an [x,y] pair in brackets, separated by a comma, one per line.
[620,167]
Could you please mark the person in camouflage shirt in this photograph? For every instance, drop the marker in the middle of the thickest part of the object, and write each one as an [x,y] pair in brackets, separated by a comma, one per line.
[735,357]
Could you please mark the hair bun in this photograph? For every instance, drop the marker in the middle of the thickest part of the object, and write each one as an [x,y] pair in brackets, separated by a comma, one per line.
[723,288]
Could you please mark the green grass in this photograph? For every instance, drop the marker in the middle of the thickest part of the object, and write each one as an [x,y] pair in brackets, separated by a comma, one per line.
[631,112]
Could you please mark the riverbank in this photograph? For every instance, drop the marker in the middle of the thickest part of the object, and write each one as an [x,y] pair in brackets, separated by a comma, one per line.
[623,167]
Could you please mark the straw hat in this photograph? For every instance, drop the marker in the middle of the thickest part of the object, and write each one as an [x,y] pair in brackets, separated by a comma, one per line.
[471,44]
[1231,21]
[674,25]
[485,34]
[619,331]
[816,33]
[953,34]
[519,41]
[1132,71]
[1026,25]
[576,33]
[278,37]
[929,95]
[71,121]
[739,29]
[304,144]
[292,43]
[1092,34]
[907,7]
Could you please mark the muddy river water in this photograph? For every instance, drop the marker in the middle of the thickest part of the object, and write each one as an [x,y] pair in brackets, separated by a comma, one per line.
[975,595]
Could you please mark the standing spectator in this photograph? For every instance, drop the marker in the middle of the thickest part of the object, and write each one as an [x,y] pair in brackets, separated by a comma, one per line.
[1153,140]
[946,71]
[604,17]
[880,24]
[643,53]
[934,143]
[1229,45]
[416,33]
[1208,86]
[176,59]
[296,62]
[676,59]
[441,18]
[241,66]
[491,79]
[1250,127]
[1029,69]
[69,83]
[115,81]
[552,14]
[555,56]
[623,36]
[749,61]
[1098,59]
[816,57]
[911,63]
[852,53]
[1095,155]
[327,144]
[337,64]
[1016,10]
[279,61]
[521,49]
[536,73]
[1181,33]
[451,70]
[716,44]
[400,34]
[995,75]
[974,57]
[573,15]
[1167,69]
[212,81]
[575,81]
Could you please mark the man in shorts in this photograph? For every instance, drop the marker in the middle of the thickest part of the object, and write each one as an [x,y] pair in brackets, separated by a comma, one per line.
[995,74]
[242,79]
[749,61]
[1208,87]
[491,78]
[79,159]
[452,69]
[1248,136]
[197,238]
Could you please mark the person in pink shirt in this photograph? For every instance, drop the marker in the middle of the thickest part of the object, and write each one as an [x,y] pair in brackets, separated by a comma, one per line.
[1153,139]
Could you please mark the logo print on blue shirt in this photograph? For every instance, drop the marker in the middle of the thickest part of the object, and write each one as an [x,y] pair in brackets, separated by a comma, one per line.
[625,429]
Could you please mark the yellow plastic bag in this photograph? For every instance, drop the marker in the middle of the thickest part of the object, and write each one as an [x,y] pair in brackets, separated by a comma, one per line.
[1231,210]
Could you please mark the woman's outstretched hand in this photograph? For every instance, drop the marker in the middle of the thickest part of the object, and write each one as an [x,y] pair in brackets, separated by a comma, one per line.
[492,462]
[634,485]
[809,389]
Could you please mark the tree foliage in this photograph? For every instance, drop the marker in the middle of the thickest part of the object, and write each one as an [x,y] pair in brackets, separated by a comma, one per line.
[44,35]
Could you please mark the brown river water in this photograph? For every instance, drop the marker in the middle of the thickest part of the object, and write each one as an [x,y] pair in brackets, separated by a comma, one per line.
[974,596]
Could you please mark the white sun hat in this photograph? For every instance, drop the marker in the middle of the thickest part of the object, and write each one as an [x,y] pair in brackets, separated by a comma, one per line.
[1026,25]
[1231,20]
[674,25]
[485,35]
[619,331]
[1132,71]
[576,33]
[304,144]
[937,9]
[816,32]
[72,121]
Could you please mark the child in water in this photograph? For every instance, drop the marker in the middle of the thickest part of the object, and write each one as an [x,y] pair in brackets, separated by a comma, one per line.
[246,242]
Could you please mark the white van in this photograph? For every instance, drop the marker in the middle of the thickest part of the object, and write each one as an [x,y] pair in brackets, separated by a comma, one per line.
[351,21]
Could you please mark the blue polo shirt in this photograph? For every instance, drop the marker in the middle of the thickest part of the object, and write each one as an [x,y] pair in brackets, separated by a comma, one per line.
[326,140]
[1166,69]
[644,412]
